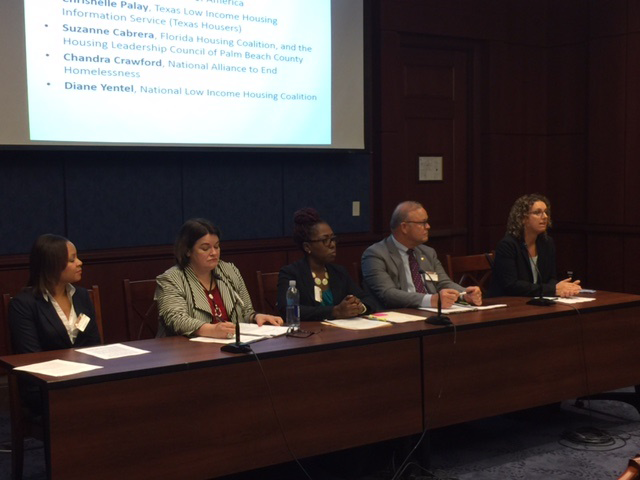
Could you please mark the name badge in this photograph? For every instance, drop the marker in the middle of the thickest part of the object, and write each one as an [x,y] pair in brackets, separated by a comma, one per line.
[82,322]
[431,277]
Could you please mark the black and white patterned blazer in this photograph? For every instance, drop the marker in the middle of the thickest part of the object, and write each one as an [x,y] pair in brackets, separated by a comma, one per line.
[183,305]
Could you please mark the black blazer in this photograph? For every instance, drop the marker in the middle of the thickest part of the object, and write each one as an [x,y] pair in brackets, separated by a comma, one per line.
[340,282]
[512,273]
[36,327]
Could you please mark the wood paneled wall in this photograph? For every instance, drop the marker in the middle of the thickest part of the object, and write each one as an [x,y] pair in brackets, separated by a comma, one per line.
[553,106]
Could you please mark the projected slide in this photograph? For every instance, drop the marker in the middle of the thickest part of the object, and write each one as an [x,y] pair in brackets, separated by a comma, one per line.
[179,71]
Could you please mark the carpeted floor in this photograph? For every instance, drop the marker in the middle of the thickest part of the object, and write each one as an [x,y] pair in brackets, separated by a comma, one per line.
[525,445]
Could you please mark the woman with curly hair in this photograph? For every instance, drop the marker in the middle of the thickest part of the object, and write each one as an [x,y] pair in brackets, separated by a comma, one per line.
[525,261]
[326,290]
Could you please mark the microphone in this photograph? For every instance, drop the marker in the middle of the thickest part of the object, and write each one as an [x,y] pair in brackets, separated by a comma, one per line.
[237,346]
[539,300]
[438,319]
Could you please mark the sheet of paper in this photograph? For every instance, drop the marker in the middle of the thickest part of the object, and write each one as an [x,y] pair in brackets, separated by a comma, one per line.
[572,300]
[263,331]
[395,317]
[448,311]
[57,368]
[115,350]
[249,339]
[456,308]
[357,323]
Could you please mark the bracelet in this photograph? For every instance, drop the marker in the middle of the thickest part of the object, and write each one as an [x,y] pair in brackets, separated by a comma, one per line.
[252,317]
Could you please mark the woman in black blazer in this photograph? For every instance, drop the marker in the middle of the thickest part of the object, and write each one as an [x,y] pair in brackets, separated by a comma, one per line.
[51,313]
[326,290]
[525,261]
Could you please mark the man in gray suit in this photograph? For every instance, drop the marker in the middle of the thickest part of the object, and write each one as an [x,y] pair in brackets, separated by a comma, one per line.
[402,272]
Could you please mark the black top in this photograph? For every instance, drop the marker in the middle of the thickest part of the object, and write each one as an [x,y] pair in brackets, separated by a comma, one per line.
[36,327]
[340,283]
[512,273]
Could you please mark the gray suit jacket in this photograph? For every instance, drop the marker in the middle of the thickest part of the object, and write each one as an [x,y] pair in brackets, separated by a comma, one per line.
[384,274]
[183,305]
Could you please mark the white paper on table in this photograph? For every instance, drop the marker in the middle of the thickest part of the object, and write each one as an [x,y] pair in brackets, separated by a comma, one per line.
[571,300]
[57,368]
[251,339]
[115,350]
[358,323]
[262,331]
[463,308]
[396,317]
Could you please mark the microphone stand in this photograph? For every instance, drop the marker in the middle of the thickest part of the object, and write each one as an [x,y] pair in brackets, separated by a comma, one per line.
[539,301]
[237,346]
[438,319]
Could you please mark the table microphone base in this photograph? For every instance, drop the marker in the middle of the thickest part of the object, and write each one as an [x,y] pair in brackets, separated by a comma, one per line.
[541,302]
[236,347]
[438,320]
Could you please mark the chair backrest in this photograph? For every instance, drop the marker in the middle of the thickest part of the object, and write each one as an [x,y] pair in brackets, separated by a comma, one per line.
[6,298]
[94,295]
[471,269]
[356,273]
[268,291]
[141,310]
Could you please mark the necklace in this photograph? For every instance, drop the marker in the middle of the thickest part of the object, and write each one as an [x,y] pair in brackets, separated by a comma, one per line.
[321,281]
[217,311]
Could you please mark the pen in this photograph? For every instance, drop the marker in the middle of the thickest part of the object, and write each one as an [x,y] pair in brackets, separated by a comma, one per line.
[373,317]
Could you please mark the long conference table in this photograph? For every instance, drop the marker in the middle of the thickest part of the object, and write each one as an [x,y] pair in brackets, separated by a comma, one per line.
[186,410]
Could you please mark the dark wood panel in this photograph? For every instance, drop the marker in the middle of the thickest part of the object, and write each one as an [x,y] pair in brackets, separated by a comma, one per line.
[608,17]
[607,111]
[207,443]
[633,19]
[516,167]
[611,348]
[567,21]
[567,177]
[378,381]
[632,264]
[571,255]
[631,164]
[567,73]
[541,368]
[606,262]
[517,89]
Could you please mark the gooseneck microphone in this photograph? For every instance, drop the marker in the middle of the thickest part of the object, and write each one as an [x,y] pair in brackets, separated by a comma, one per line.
[237,346]
[438,319]
[539,300]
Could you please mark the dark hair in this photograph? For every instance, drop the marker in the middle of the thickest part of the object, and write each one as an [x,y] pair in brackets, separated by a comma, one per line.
[304,225]
[520,209]
[48,258]
[190,232]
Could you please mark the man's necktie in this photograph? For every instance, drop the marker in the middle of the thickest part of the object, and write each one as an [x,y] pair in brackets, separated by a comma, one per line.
[415,272]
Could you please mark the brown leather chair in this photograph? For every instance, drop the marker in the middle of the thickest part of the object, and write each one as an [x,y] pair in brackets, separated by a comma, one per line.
[471,269]
[94,295]
[268,292]
[141,310]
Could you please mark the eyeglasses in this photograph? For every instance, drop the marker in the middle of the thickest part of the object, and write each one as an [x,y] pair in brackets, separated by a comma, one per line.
[539,213]
[326,241]
[424,223]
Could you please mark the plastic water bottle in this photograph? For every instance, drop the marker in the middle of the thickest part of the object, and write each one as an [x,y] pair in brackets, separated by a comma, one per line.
[293,306]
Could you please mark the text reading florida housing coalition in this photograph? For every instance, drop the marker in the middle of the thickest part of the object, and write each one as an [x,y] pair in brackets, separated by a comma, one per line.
[179,71]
